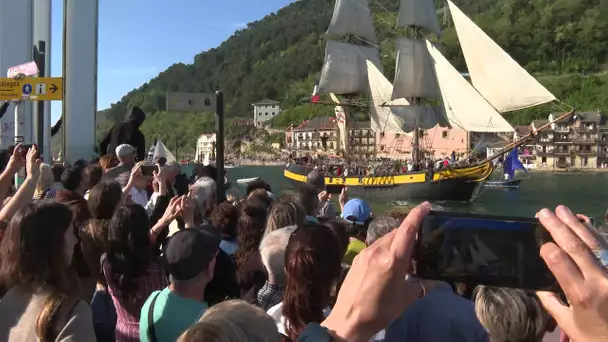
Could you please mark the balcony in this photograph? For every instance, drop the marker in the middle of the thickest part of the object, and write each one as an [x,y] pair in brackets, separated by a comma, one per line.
[562,129]
[585,141]
[562,139]
[586,153]
[544,141]
[561,152]
[583,129]
[603,140]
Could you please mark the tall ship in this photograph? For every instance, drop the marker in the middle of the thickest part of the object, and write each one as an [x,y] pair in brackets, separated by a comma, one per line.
[427,91]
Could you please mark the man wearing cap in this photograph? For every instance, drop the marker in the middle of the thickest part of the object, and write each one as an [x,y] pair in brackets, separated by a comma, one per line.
[122,172]
[358,215]
[189,259]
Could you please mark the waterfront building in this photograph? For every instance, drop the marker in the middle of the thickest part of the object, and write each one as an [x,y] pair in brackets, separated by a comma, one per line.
[440,142]
[580,142]
[309,136]
[362,140]
[205,145]
[265,110]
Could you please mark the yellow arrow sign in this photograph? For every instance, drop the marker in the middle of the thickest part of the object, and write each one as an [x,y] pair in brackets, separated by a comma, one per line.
[31,89]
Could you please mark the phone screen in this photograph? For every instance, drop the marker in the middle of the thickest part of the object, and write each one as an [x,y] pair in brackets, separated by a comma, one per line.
[482,249]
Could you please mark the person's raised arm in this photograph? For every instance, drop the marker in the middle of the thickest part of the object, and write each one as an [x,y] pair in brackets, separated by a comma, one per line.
[15,163]
[4,108]
[26,191]
[375,291]
[578,259]
[56,126]
[103,144]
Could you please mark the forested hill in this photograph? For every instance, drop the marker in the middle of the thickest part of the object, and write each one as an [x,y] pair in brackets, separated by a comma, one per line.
[279,56]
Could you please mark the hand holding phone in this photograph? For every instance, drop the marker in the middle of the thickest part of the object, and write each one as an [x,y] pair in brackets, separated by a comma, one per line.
[483,249]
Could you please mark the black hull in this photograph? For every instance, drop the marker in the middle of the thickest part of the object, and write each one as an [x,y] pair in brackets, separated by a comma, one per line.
[457,189]
[503,184]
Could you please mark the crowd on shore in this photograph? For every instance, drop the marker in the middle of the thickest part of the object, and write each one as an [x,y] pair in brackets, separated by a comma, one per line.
[87,254]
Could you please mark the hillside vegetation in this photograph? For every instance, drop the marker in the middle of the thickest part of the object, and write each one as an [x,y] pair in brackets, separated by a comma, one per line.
[280,56]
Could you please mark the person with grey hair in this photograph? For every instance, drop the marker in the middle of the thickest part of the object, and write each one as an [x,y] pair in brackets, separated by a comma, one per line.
[121,173]
[200,202]
[379,227]
[510,314]
[272,250]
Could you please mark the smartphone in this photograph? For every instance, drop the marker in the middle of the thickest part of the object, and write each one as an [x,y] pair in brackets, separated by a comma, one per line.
[24,149]
[148,170]
[484,249]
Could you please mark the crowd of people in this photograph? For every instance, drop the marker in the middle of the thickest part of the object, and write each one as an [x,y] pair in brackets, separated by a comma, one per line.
[103,251]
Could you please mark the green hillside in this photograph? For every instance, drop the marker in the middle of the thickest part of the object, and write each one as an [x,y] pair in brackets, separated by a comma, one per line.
[279,57]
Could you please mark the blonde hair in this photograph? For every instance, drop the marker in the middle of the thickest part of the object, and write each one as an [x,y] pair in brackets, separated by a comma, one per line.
[233,321]
[45,181]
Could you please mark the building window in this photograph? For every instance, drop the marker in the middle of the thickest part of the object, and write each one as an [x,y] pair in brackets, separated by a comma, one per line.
[381,147]
[397,135]
[381,134]
[444,134]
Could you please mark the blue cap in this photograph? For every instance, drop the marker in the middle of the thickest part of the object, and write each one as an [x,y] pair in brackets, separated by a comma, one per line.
[356,211]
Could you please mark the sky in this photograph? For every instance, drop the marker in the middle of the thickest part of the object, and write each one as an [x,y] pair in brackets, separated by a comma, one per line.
[138,39]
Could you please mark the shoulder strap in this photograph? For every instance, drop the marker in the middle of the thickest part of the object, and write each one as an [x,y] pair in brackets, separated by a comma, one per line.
[151,331]
[63,315]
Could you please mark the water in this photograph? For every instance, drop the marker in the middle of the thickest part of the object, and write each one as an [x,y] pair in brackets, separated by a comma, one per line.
[582,192]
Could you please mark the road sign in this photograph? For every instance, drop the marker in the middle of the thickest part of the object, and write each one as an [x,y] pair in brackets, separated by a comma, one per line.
[191,102]
[28,69]
[33,89]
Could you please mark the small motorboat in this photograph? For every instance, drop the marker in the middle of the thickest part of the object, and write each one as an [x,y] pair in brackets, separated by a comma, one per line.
[247,180]
[514,183]
[231,166]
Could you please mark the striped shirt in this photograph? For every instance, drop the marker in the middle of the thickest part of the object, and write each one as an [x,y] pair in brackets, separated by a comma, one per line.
[127,321]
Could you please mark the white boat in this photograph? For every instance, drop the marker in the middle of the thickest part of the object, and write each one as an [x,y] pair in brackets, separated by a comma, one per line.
[247,180]
[231,166]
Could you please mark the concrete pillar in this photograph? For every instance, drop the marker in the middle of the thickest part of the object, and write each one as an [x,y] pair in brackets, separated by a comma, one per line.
[80,78]
[16,47]
[42,32]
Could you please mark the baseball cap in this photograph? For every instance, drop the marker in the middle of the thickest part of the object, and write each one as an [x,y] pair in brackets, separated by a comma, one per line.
[190,251]
[124,149]
[356,211]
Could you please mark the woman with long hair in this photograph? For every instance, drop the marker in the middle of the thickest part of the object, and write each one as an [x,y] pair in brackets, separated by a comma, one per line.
[312,267]
[250,272]
[225,218]
[107,162]
[130,269]
[37,283]
[285,213]
[81,215]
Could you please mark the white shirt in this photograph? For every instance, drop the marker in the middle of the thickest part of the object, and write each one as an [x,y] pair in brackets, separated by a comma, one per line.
[139,196]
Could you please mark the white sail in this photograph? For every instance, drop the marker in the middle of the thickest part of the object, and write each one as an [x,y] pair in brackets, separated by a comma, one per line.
[352,17]
[414,76]
[419,13]
[344,70]
[343,131]
[500,79]
[397,115]
[161,151]
[206,159]
[464,106]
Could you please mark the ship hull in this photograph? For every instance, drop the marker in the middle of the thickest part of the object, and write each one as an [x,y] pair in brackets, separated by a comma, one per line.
[461,185]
